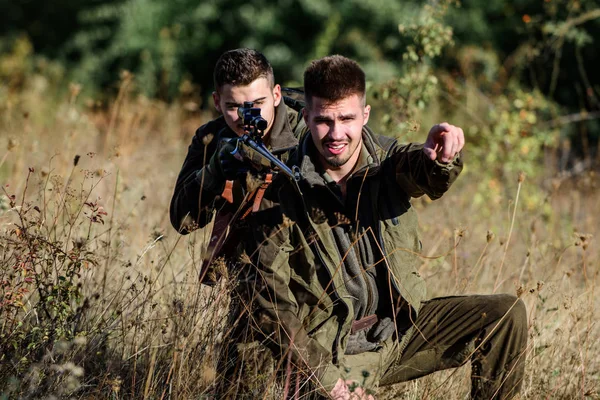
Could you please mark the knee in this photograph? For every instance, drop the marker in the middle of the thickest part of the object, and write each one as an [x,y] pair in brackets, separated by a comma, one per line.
[510,308]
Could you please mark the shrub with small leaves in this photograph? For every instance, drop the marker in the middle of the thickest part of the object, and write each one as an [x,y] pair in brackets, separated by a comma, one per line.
[46,248]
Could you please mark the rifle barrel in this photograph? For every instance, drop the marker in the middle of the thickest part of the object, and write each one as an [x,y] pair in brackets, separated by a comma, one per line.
[262,150]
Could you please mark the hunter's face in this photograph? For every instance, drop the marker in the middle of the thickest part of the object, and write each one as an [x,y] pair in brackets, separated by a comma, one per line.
[336,129]
[229,98]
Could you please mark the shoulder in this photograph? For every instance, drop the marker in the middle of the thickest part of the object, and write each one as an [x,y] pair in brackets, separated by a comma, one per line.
[294,101]
[293,111]
[210,133]
[212,127]
[383,145]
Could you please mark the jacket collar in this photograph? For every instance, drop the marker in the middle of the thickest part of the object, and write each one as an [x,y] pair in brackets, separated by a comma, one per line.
[281,137]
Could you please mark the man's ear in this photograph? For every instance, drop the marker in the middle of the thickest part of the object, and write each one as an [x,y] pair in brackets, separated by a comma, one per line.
[276,95]
[305,115]
[366,114]
[216,100]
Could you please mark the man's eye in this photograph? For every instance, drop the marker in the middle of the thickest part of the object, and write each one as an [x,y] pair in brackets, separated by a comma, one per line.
[259,103]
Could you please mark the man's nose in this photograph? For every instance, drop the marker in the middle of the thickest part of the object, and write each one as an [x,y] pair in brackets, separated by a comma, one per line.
[336,132]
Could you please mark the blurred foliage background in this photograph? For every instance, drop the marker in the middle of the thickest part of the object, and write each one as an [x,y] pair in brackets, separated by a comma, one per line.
[519,76]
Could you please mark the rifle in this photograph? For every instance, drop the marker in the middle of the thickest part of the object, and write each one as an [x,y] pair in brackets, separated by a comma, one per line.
[254,126]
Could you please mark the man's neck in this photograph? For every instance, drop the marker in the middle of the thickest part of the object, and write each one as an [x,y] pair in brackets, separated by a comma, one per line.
[341,174]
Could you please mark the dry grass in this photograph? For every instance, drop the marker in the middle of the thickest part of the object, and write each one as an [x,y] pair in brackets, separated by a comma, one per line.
[151,331]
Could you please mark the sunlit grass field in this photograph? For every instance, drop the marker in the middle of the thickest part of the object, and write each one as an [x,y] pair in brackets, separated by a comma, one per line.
[99,294]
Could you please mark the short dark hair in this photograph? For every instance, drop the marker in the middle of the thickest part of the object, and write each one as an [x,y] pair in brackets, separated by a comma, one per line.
[241,67]
[333,78]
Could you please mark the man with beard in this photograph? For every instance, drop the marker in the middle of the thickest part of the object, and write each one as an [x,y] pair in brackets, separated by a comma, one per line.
[338,296]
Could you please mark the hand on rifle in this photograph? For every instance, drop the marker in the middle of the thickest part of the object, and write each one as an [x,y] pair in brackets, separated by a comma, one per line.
[227,162]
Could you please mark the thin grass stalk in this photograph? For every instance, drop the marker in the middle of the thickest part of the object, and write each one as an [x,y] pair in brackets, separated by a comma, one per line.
[512,224]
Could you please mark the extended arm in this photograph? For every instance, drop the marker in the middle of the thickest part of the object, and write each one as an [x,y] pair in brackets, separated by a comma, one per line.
[432,167]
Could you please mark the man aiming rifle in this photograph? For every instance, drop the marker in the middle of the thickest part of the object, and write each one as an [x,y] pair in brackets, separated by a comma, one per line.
[256,131]
[212,183]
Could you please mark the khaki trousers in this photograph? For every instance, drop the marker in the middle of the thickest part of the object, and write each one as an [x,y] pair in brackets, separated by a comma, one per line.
[490,331]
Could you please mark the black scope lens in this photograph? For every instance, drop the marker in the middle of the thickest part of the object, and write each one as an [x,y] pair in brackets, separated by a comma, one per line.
[260,123]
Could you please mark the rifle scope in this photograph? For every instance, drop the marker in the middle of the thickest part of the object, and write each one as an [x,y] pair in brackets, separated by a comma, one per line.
[251,116]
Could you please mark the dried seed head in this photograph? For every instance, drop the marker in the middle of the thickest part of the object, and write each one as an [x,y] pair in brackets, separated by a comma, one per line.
[341,218]
[540,285]
[287,222]
[245,258]
[12,144]
[583,239]
[520,291]
[207,139]
[521,178]
[220,267]
[76,160]
[490,236]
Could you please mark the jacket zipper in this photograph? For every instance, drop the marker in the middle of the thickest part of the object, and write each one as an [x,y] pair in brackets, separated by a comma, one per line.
[336,342]
[368,309]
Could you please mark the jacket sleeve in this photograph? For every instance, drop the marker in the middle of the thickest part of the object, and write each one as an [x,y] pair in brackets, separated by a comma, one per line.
[418,175]
[192,203]
[278,318]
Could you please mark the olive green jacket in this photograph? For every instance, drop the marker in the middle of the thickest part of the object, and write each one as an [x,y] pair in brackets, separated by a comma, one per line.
[302,305]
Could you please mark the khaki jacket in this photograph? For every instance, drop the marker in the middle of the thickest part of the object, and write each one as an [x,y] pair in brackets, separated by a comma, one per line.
[302,305]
